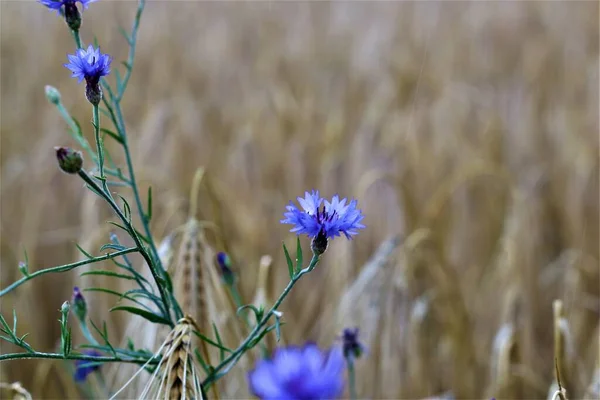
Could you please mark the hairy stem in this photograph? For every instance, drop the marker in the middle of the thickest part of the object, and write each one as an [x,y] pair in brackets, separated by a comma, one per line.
[59,356]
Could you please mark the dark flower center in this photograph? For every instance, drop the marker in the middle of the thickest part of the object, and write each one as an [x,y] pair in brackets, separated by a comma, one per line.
[323,216]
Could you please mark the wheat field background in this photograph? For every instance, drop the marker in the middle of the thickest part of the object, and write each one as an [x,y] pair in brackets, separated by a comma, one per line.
[468,132]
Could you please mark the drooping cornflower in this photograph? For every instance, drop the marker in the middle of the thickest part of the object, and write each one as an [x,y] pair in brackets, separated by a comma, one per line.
[90,65]
[322,223]
[85,367]
[68,8]
[299,373]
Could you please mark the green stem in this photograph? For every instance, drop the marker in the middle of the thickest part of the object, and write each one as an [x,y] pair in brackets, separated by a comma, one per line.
[58,356]
[75,131]
[156,267]
[132,232]
[86,332]
[99,147]
[237,299]
[66,267]
[351,378]
[132,44]
[230,361]
[119,122]
[77,38]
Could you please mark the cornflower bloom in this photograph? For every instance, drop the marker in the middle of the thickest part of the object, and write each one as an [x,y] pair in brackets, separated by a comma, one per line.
[299,373]
[323,223]
[69,9]
[90,65]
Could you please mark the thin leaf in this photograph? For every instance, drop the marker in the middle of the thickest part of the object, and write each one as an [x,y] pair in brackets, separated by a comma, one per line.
[112,246]
[147,295]
[277,328]
[211,342]
[85,253]
[126,208]
[149,211]
[143,313]
[93,190]
[121,296]
[5,327]
[79,131]
[6,338]
[113,135]
[126,36]
[141,236]
[205,367]
[289,262]
[298,256]
[118,225]
[104,112]
[104,335]
[168,281]
[258,313]
[221,351]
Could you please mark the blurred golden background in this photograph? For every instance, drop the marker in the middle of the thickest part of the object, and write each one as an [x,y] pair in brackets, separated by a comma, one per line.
[468,132]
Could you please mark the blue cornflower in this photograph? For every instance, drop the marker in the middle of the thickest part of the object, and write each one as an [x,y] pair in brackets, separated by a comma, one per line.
[321,223]
[83,367]
[58,4]
[90,65]
[68,9]
[299,373]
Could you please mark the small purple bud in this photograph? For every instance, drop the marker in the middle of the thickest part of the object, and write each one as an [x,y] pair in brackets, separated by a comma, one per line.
[69,160]
[225,264]
[352,347]
[79,304]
